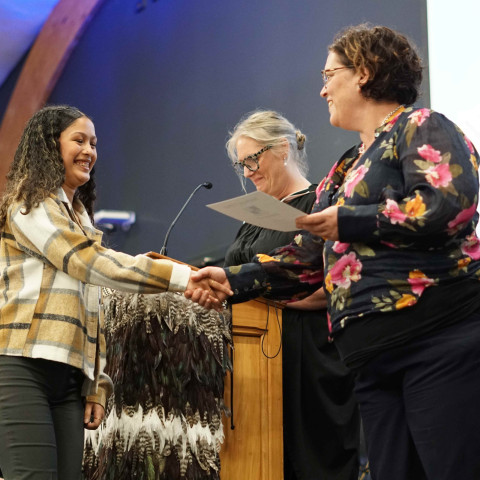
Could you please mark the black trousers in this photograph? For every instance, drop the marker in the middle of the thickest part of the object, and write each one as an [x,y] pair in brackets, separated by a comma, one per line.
[41,419]
[420,407]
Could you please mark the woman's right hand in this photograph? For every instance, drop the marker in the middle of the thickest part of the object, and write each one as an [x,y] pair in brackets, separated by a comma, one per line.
[323,224]
[208,287]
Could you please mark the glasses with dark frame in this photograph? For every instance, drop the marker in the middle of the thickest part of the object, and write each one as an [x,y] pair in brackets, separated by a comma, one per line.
[326,74]
[251,161]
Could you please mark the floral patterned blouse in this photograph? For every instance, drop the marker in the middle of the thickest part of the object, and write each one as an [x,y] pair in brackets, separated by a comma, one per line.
[406,222]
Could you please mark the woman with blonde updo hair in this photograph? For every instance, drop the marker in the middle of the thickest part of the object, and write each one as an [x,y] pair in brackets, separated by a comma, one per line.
[270,128]
[321,420]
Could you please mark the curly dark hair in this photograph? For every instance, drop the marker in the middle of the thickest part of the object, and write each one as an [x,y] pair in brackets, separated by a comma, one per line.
[394,66]
[37,169]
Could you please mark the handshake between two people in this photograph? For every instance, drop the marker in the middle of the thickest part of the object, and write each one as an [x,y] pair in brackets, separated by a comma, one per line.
[209,287]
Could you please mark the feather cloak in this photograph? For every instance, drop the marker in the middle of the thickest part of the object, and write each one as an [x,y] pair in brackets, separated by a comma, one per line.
[167,357]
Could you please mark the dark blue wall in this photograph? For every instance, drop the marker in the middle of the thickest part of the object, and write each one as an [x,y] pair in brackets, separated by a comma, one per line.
[165,85]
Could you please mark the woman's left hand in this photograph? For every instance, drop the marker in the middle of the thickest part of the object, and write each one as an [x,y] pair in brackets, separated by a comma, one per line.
[323,224]
[316,301]
[93,416]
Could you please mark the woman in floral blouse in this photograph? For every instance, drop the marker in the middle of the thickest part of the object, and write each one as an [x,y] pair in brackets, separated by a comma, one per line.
[392,235]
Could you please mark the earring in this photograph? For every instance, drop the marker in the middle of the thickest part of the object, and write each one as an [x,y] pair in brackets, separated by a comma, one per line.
[285,161]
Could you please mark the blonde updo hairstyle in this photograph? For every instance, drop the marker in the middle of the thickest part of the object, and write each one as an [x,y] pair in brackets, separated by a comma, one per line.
[268,127]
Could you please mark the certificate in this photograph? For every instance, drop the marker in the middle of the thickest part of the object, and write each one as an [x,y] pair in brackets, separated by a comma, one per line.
[261,210]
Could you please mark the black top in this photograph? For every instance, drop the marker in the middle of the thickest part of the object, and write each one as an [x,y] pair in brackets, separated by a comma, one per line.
[251,239]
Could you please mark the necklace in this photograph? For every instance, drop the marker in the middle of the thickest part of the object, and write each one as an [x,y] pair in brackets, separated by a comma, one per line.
[296,194]
[388,118]
[390,115]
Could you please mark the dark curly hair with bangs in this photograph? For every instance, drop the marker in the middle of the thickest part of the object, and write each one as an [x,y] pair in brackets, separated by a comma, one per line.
[37,169]
[395,68]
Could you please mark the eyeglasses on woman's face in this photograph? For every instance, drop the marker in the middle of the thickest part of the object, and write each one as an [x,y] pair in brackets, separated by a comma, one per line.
[328,73]
[251,161]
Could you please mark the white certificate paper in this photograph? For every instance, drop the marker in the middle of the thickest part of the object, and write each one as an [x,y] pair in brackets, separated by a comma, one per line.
[261,210]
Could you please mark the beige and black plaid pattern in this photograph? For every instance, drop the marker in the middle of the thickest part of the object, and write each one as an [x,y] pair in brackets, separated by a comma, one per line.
[51,269]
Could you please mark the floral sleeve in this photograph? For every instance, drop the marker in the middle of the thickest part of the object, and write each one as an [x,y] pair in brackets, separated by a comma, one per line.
[434,198]
[288,273]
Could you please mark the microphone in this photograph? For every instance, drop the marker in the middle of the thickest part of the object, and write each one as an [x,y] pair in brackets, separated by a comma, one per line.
[208,186]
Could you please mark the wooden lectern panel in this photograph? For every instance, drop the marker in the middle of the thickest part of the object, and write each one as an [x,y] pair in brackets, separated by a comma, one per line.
[254,449]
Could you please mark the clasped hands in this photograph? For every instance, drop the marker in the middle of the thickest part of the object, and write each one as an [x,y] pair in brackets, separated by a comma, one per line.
[209,287]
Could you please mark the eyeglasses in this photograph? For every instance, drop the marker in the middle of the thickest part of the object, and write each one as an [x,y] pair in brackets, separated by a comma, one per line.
[326,74]
[251,161]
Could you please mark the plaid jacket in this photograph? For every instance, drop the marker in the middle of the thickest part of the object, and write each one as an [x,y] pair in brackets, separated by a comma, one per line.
[51,268]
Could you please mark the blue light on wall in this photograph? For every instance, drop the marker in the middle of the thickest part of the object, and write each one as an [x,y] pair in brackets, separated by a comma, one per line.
[21,22]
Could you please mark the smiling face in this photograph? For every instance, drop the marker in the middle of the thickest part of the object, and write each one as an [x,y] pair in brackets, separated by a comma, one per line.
[79,153]
[270,178]
[342,93]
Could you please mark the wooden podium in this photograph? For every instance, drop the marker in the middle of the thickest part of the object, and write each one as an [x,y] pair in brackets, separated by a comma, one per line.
[253,450]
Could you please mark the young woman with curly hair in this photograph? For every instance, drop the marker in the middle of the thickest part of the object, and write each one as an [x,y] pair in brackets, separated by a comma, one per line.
[52,263]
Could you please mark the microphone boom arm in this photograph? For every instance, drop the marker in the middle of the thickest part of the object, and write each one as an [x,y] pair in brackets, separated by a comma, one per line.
[207,185]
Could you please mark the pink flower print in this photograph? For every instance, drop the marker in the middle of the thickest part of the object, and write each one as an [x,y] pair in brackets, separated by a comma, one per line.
[340,247]
[311,277]
[419,116]
[439,176]
[469,144]
[319,189]
[419,281]
[471,247]
[288,253]
[354,178]
[429,153]
[388,244]
[392,122]
[329,323]
[393,212]
[330,174]
[346,270]
[461,219]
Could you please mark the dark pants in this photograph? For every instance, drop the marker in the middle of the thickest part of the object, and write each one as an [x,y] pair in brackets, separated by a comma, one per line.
[420,404]
[41,419]
[321,421]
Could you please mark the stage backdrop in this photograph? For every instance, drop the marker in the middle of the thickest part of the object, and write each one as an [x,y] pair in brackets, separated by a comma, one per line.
[165,84]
